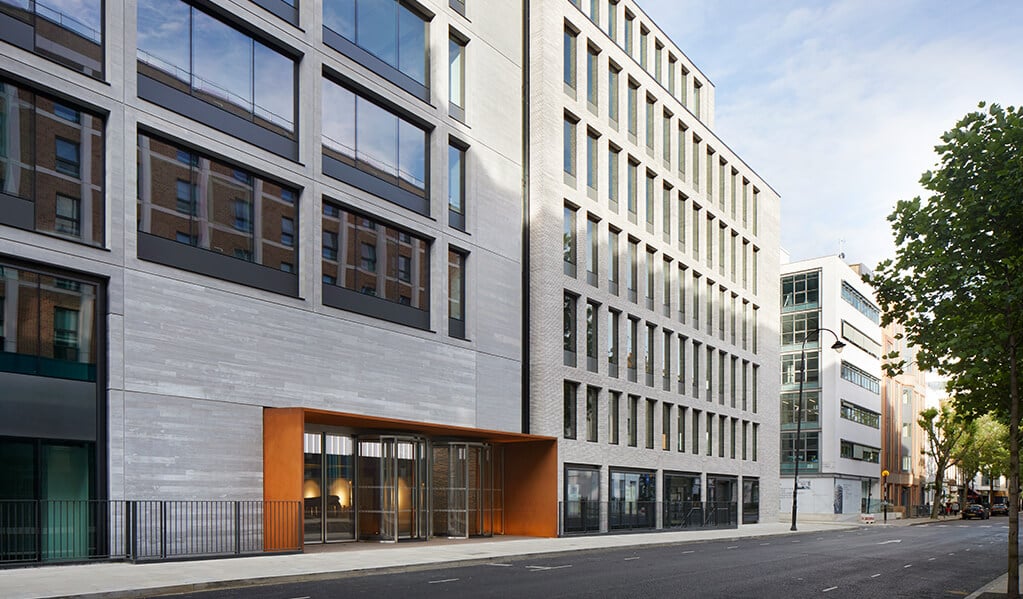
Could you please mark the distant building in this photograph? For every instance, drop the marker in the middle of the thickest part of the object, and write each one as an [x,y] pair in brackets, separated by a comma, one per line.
[840,443]
[904,443]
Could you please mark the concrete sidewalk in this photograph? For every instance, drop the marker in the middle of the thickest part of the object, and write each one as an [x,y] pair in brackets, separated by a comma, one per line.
[118,580]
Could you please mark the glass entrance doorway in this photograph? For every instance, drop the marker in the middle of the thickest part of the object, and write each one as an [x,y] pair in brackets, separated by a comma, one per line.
[392,488]
[466,490]
[328,488]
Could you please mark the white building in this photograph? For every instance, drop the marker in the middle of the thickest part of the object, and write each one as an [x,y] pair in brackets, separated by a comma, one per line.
[653,264]
[839,467]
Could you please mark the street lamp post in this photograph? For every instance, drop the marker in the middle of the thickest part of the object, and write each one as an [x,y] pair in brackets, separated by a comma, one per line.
[884,493]
[838,345]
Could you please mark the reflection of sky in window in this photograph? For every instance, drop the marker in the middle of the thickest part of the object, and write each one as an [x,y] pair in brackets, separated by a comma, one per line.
[163,34]
[338,118]
[84,17]
[274,86]
[222,60]
[377,29]
[377,134]
[412,44]
[411,153]
[339,15]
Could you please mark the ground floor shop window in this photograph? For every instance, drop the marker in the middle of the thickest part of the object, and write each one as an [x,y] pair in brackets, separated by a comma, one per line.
[632,499]
[582,499]
[750,500]
[682,500]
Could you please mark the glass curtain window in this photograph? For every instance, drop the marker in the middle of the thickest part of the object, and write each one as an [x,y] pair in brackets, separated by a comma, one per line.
[369,137]
[70,33]
[591,330]
[456,179]
[568,159]
[374,258]
[218,64]
[569,58]
[224,209]
[456,72]
[456,285]
[387,29]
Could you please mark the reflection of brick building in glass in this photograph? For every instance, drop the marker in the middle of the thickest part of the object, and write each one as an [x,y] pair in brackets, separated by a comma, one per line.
[903,397]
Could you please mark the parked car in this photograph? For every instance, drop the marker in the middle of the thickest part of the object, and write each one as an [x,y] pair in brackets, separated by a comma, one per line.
[976,510]
[1000,509]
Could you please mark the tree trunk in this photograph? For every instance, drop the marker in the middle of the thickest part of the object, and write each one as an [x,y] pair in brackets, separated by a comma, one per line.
[939,488]
[1013,586]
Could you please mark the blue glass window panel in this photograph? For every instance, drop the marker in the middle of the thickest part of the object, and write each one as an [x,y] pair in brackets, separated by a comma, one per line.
[411,45]
[338,118]
[163,28]
[376,132]
[378,29]
[339,16]
[221,61]
[412,154]
[274,87]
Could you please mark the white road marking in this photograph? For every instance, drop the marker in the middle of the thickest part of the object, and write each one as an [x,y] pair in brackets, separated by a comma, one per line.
[907,566]
[685,552]
[545,568]
[764,544]
[500,565]
[875,575]
[732,547]
[829,589]
[305,597]
[931,559]
[441,581]
[629,559]
[795,541]
[891,541]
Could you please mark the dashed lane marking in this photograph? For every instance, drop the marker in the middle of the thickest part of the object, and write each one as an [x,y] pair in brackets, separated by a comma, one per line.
[442,581]
[764,544]
[875,575]
[545,568]
[907,566]
[829,589]
[732,547]
[685,552]
[629,559]
[500,565]
[931,559]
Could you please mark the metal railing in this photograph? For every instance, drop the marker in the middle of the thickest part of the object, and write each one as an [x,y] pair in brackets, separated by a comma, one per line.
[61,531]
[590,517]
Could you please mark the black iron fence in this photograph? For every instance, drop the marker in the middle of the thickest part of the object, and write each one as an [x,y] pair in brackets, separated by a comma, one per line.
[64,531]
[587,517]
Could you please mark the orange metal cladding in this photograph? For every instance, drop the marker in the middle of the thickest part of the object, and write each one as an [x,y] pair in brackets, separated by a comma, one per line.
[530,462]
[282,475]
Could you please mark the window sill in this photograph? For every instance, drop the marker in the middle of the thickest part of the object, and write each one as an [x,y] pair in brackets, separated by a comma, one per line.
[368,305]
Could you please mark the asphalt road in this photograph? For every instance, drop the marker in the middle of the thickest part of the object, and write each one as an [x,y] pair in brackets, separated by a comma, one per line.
[939,560]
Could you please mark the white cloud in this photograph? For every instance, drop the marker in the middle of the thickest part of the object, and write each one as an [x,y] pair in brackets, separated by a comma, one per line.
[839,105]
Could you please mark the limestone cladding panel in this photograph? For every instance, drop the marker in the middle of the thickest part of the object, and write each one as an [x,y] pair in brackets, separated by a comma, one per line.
[180,448]
[198,342]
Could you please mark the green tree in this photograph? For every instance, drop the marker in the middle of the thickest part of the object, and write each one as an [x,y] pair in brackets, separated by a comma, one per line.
[956,282]
[946,436]
[986,451]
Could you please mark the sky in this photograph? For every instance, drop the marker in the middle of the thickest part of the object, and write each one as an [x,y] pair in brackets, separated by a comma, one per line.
[838,105]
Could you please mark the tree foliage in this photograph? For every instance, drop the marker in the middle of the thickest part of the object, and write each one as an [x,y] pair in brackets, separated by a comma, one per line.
[948,436]
[956,282]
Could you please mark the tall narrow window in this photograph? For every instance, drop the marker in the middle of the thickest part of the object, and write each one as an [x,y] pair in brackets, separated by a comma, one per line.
[612,93]
[569,322]
[651,407]
[456,293]
[456,77]
[697,88]
[651,199]
[592,339]
[569,250]
[570,404]
[633,107]
[612,20]
[633,426]
[649,127]
[651,270]
[666,138]
[613,414]
[287,231]
[630,22]
[592,76]
[666,201]
[666,269]
[612,342]
[632,281]
[643,43]
[632,183]
[569,58]
[613,155]
[68,159]
[68,216]
[591,160]
[592,249]
[569,147]
[65,334]
[681,151]
[592,402]
[456,186]
[612,259]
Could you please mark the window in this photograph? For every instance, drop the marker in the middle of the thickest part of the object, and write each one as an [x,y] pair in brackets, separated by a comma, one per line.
[287,231]
[643,43]
[658,56]
[70,34]
[612,342]
[651,270]
[592,247]
[67,216]
[666,138]
[456,186]
[456,76]
[632,341]
[223,221]
[708,432]
[387,29]
[633,107]
[68,157]
[632,281]
[855,413]
[795,327]
[680,444]
[592,310]
[569,325]
[569,58]
[800,291]
[592,403]
[790,412]
[633,426]
[860,339]
[612,93]
[630,21]
[697,88]
[65,334]
[696,432]
[696,163]
[632,183]
[862,304]
[569,245]
[359,134]
[808,448]
[682,341]
[591,160]
[651,406]
[613,411]
[612,176]
[651,179]
[790,368]
[612,20]
[569,410]
[672,65]
[666,268]
[382,261]
[217,64]
[860,378]
[592,75]
[862,453]
[651,334]
[683,299]
[666,359]
[456,289]
[612,259]
[569,147]
[649,126]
